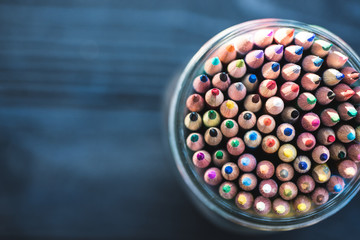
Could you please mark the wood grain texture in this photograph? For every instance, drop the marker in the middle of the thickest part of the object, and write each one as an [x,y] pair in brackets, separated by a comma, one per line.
[81,95]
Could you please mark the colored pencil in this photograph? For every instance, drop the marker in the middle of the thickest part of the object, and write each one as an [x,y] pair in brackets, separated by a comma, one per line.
[212,176]
[320,154]
[285,132]
[274,105]
[281,207]
[289,91]
[306,101]
[247,162]
[329,117]
[357,118]
[213,66]
[337,151]
[247,120]
[306,141]
[237,68]
[274,52]
[293,53]
[201,84]
[267,88]
[336,59]
[321,173]
[332,76]
[287,153]
[302,164]
[230,171]
[262,205]
[310,121]
[237,91]
[195,103]
[264,37]
[227,53]
[244,200]
[290,115]
[214,97]
[345,133]
[353,152]
[356,97]
[221,81]
[312,63]
[211,118]
[346,111]
[335,184]
[270,144]
[235,146]
[252,139]
[266,124]
[320,196]
[247,181]
[229,128]
[265,169]
[268,188]
[220,157]
[244,44]
[213,136]
[195,142]
[288,191]
[310,81]
[253,103]
[201,159]
[321,48]
[228,190]
[284,172]
[305,184]
[324,95]
[255,58]
[290,72]
[304,39]
[326,136]
[350,75]
[347,169]
[251,82]
[270,70]
[343,92]
[193,121]
[229,109]
[284,36]
[302,204]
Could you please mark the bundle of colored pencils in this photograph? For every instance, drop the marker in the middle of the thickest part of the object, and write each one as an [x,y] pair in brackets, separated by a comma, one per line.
[271,123]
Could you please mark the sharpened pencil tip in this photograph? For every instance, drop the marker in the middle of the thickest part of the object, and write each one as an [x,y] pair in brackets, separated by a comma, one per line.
[240,63]
[259,54]
[310,39]
[299,50]
[275,67]
[215,61]
[318,61]
[279,49]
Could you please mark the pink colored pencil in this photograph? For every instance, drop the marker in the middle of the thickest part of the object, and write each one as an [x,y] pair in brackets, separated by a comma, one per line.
[264,37]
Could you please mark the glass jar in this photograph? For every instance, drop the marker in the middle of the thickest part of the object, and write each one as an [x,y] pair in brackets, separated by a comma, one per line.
[220,211]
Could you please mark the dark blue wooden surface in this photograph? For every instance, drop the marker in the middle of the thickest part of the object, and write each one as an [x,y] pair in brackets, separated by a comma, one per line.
[81,87]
